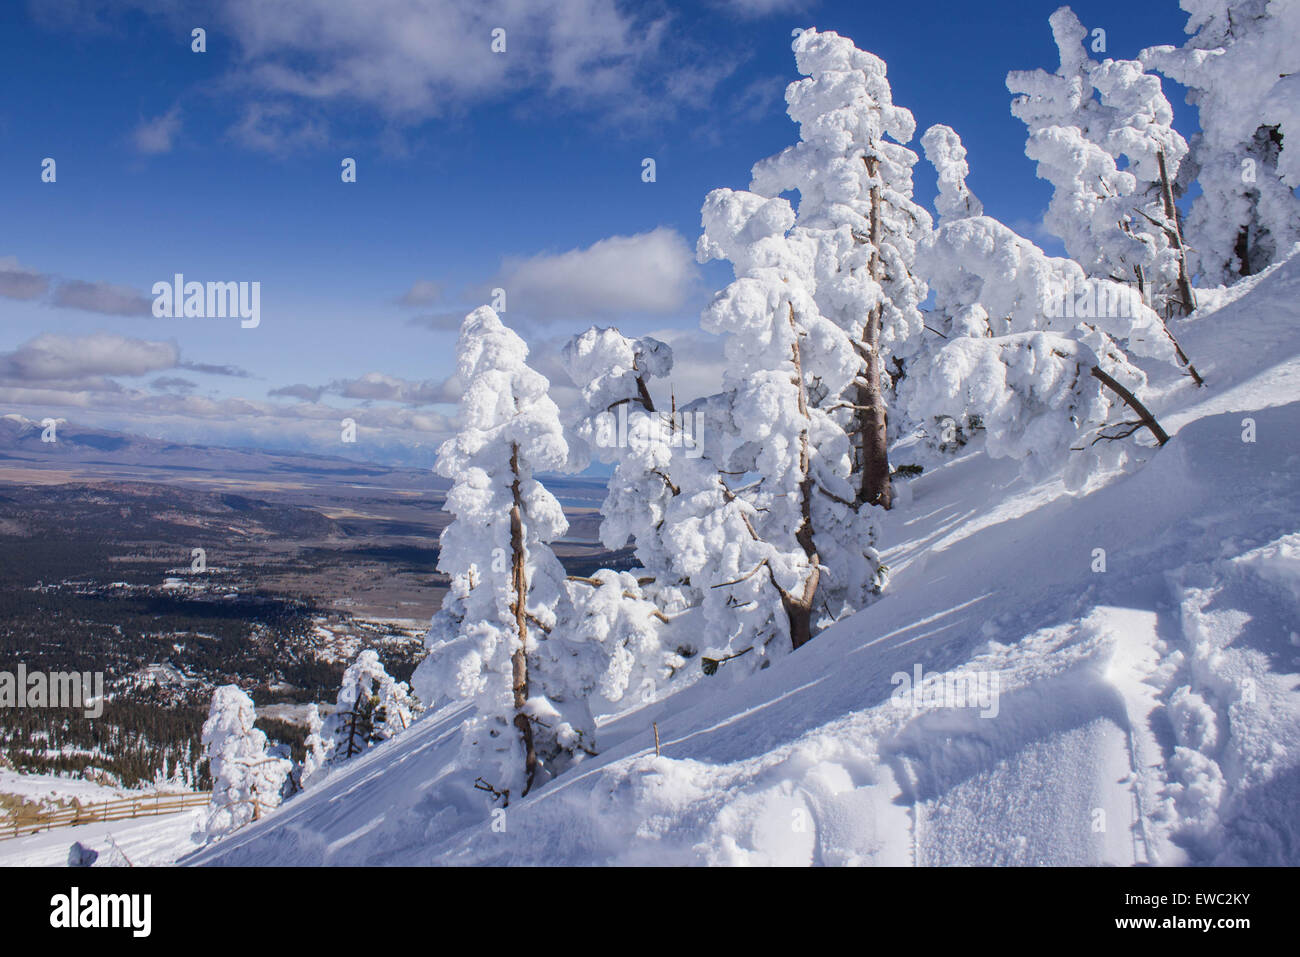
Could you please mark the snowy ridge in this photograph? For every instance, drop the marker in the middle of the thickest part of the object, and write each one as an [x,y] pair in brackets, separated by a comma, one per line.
[1147,713]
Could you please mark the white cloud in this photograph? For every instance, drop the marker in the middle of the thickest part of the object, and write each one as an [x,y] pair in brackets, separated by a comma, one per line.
[23,282]
[753,9]
[56,357]
[169,383]
[52,360]
[379,387]
[61,373]
[101,297]
[20,282]
[406,61]
[421,58]
[389,388]
[210,368]
[277,128]
[385,434]
[649,273]
[302,391]
[698,366]
[156,135]
[422,293]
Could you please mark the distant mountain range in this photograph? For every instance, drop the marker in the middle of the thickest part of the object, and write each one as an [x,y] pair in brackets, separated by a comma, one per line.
[80,448]
[80,453]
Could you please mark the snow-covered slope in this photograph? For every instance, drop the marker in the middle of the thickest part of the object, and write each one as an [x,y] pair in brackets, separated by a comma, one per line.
[1145,713]
[146,840]
[140,842]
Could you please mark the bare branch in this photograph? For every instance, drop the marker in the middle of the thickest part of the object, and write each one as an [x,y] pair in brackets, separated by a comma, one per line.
[1133,426]
[833,497]
[747,575]
[667,481]
[481,785]
[1133,403]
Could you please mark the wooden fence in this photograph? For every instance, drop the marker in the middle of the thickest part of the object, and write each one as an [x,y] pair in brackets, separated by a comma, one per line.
[19,825]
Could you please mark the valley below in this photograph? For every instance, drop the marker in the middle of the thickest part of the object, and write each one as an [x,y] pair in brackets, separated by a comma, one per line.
[175,569]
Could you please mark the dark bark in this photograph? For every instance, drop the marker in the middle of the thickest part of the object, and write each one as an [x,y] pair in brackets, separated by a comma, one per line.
[798,609]
[870,425]
[1133,403]
[1182,357]
[1175,233]
[519,660]
[1242,249]
[643,395]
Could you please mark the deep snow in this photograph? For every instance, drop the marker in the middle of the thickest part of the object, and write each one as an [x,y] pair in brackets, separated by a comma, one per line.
[1147,713]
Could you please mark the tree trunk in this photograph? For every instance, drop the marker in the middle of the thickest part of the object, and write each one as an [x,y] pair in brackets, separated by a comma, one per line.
[1242,249]
[519,660]
[353,750]
[798,610]
[643,394]
[1133,403]
[870,425]
[1176,235]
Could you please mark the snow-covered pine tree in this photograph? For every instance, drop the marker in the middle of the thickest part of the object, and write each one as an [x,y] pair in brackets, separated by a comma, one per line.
[1033,347]
[371,707]
[1102,134]
[641,650]
[246,781]
[854,179]
[1241,66]
[318,748]
[763,550]
[619,424]
[489,645]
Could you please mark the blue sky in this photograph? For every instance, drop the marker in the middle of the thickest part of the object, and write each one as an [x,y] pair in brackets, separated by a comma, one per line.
[475,169]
